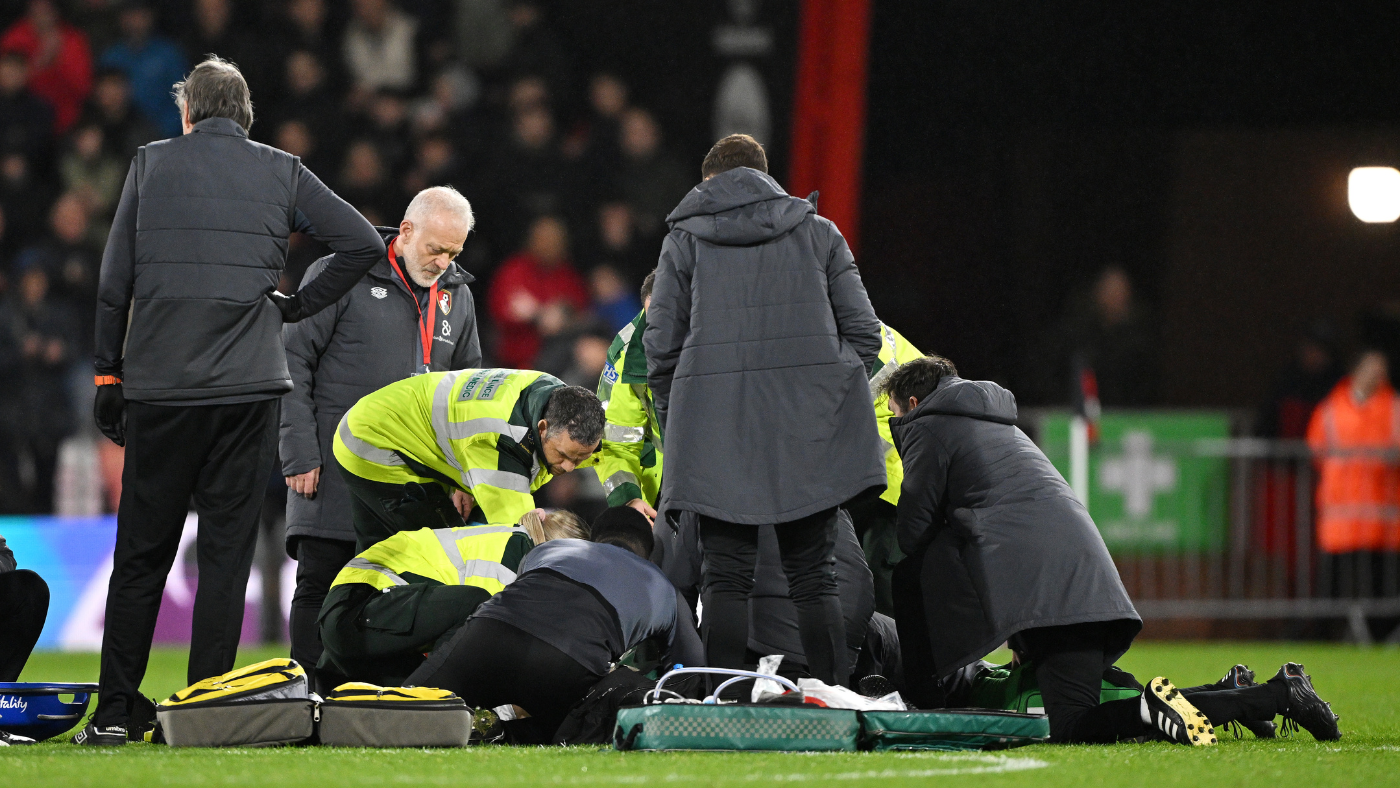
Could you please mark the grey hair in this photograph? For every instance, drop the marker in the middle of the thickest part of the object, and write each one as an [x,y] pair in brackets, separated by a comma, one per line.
[215,89]
[440,198]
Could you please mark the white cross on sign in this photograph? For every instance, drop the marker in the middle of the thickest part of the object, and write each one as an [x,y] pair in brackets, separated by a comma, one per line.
[1138,474]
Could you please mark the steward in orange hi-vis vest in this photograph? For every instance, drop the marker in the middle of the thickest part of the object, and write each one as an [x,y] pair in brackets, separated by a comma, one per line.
[1357,448]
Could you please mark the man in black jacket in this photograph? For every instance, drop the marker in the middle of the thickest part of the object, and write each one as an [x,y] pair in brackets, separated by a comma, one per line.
[191,368]
[760,340]
[412,311]
[1000,549]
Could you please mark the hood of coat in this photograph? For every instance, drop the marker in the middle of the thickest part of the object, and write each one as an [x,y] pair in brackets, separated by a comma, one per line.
[536,401]
[737,208]
[975,399]
[454,275]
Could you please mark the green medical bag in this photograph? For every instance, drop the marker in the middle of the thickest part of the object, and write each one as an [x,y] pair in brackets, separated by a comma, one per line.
[690,726]
[951,729]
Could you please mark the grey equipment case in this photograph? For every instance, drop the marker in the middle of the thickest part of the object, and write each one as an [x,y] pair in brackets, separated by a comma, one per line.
[367,715]
[260,705]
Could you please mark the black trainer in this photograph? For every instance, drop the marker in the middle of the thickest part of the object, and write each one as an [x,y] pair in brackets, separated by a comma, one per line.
[13,739]
[1172,715]
[1239,677]
[143,718]
[1305,709]
[106,736]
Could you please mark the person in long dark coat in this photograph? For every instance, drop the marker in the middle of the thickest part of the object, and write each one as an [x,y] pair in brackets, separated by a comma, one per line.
[759,341]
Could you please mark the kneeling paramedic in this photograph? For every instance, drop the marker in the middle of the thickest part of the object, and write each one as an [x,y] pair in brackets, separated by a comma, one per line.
[575,608]
[392,603]
[441,449]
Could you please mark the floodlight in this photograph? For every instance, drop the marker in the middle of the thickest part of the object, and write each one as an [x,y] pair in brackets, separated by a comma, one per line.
[1374,194]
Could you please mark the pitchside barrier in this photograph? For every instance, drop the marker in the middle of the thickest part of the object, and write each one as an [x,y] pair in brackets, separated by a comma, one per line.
[1207,526]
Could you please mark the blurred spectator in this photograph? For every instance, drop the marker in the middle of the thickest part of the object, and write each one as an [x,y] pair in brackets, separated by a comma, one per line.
[615,300]
[535,293]
[26,122]
[1107,331]
[60,63]
[304,28]
[482,32]
[40,337]
[535,49]
[124,128]
[90,170]
[577,354]
[527,176]
[1356,439]
[597,139]
[388,114]
[24,196]
[308,99]
[650,180]
[364,182]
[295,138]
[617,244]
[380,47]
[447,109]
[1311,374]
[215,32]
[435,165]
[70,260]
[98,20]
[152,64]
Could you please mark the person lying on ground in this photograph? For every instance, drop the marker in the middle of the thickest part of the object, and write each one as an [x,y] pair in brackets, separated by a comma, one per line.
[574,610]
[395,601]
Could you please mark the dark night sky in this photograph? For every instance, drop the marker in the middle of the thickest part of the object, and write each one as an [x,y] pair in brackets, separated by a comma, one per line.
[1013,150]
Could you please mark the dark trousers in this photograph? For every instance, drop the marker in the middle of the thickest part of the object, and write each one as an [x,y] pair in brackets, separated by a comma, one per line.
[1069,664]
[381,636]
[875,522]
[379,510]
[24,604]
[318,562]
[490,663]
[922,687]
[808,548]
[221,456]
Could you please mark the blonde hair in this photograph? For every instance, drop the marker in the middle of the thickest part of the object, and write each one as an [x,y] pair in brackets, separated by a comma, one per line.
[558,524]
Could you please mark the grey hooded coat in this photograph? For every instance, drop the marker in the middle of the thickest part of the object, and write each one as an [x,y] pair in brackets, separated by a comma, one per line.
[759,341]
[1004,544]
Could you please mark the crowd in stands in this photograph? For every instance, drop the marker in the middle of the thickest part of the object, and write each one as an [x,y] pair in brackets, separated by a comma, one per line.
[570,178]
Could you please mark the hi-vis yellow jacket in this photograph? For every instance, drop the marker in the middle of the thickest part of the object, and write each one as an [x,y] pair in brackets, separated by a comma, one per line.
[473,429]
[485,556]
[894,350]
[629,461]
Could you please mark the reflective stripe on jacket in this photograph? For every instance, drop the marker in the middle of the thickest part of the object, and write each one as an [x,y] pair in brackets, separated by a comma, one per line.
[629,460]
[485,556]
[895,350]
[468,429]
[1357,447]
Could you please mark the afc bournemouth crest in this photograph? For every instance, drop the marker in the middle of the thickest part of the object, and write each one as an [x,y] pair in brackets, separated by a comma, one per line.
[445,302]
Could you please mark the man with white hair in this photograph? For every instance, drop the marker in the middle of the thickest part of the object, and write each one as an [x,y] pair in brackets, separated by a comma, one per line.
[412,313]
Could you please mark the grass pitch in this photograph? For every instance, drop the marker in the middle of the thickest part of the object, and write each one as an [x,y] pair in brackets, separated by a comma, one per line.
[1363,685]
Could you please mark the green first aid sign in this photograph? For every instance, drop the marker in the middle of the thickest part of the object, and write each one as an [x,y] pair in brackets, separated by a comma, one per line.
[1150,487]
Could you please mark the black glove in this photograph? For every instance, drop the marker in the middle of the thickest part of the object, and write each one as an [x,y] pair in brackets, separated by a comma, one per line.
[109,410]
[289,305]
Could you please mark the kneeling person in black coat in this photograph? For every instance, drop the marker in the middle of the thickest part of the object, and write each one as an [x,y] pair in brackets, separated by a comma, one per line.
[574,609]
[1000,549]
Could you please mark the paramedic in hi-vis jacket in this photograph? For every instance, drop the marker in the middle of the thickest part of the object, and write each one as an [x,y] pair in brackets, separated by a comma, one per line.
[489,436]
[191,368]
[629,462]
[397,600]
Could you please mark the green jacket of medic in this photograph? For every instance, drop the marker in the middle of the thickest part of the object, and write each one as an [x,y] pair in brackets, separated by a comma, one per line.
[630,460]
